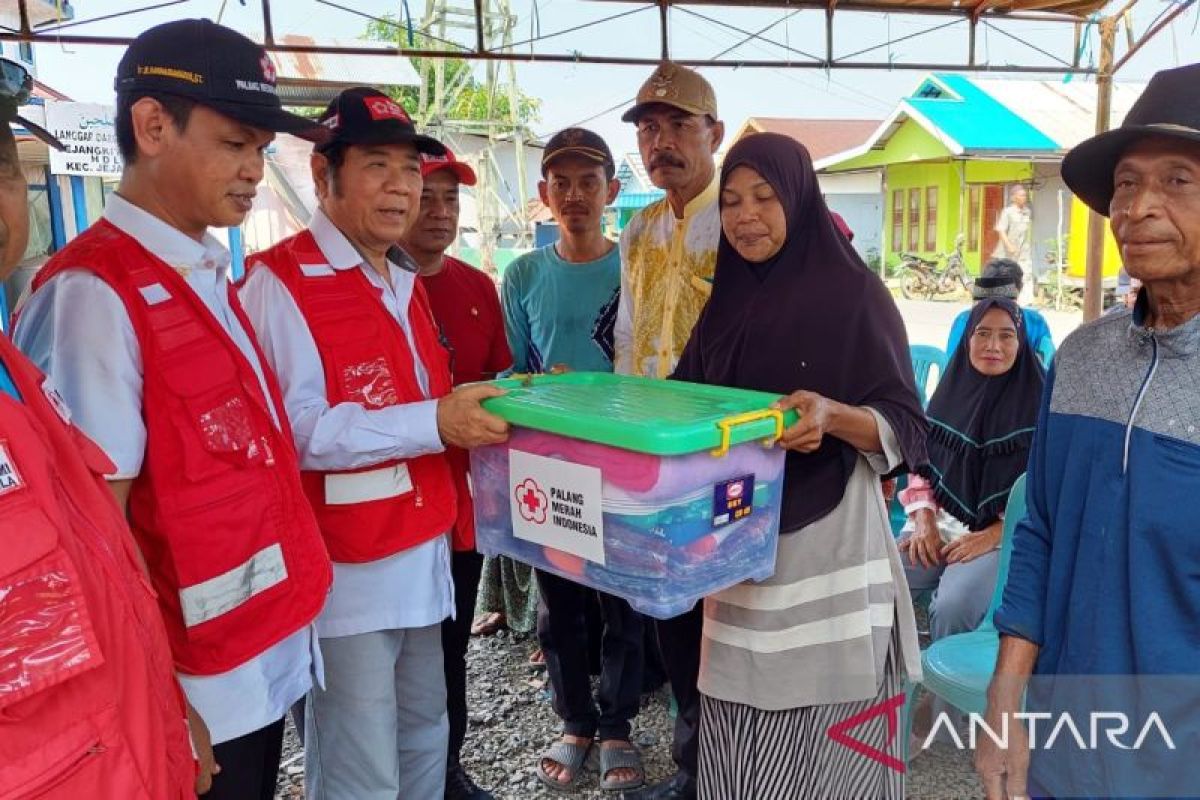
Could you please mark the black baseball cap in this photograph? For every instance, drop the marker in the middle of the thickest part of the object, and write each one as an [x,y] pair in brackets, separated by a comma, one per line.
[578,142]
[215,66]
[368,116]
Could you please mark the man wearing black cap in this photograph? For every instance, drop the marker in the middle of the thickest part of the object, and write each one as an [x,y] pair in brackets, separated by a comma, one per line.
[1100,609]
[560,305]
[137,324]
[83,643]
[366,381]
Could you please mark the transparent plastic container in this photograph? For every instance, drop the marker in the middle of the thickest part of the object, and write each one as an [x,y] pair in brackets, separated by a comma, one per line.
[660,492]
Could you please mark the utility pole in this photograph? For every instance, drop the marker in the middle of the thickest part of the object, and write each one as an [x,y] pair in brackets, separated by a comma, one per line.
[1093,287]
[439,95]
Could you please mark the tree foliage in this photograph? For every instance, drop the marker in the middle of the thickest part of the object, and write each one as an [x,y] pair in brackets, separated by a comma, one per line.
[466,97]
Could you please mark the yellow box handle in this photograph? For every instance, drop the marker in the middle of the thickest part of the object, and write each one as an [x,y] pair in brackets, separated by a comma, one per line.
[729,423]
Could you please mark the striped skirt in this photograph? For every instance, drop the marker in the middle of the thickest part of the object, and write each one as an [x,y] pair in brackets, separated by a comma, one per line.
[750,754]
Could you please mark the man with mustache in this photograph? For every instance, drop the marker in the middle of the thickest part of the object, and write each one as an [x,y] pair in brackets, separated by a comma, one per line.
[668,255]
[560,302]
[1100,606]
[466,306]
[137,324]
[366,380]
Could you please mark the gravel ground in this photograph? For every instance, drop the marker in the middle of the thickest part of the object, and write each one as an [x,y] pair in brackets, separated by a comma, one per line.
[512,722]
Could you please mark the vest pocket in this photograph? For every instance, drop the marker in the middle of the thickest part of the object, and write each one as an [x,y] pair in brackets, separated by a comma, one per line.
[86,759]
[226,427]
[366,379]
[46,634]
[230,557]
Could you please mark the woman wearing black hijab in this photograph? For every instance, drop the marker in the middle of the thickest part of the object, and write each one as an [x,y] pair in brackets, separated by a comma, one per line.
[795,311]
[982,419]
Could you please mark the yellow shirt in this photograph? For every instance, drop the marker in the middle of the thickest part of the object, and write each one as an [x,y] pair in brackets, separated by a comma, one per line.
[667,267]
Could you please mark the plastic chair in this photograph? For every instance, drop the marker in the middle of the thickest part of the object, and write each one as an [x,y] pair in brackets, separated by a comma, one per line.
[959,668]
[924,358]
[1045,351]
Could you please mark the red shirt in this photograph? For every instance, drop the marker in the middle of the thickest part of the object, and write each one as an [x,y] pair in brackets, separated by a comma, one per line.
[466,305]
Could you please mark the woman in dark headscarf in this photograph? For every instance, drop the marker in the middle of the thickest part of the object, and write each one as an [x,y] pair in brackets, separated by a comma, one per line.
[794,310]
[982,419]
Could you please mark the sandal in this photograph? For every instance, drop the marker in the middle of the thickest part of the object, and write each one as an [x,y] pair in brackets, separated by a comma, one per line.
[624,756]
[569,755]
[487,624]
[537,660]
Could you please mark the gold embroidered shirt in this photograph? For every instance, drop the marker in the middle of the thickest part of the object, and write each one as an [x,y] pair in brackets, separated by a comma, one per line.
[667,268]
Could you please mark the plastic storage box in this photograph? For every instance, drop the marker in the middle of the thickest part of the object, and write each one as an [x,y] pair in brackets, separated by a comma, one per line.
[660,492]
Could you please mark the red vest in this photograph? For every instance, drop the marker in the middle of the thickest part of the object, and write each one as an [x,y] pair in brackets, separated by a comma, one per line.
[218,510]
[370,513]
[89,705]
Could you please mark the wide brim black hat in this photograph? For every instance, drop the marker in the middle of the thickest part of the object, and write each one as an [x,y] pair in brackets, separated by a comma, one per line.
[1169,107]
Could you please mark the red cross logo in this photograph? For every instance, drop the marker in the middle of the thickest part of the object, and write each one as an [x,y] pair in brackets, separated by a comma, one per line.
[383,108]
[531,501]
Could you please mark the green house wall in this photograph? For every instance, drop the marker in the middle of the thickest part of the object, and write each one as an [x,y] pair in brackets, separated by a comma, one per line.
[914,159]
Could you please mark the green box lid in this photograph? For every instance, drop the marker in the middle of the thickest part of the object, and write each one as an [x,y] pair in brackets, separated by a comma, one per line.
[665,418]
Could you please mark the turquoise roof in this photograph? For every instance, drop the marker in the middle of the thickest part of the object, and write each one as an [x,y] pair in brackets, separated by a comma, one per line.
[636,200]
[975,119]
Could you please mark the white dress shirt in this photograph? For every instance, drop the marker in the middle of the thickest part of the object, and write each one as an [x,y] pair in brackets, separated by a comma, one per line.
[410,589]
[76,329]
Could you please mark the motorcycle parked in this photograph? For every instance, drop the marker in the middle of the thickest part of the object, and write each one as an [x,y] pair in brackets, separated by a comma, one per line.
[923,279]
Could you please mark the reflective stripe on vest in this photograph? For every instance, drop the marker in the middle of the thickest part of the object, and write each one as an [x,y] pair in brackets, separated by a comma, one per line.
[366,358]
[222,594]
[347,488]
[231,544]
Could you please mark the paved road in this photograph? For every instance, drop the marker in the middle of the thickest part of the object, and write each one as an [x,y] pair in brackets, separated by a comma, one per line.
[928,321]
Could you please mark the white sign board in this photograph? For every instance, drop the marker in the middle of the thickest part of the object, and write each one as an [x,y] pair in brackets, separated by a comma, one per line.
[556,504]
[87,131]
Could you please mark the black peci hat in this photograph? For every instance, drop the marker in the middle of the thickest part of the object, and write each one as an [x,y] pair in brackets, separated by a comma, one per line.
[215,66]
[367,116]
[1170,106]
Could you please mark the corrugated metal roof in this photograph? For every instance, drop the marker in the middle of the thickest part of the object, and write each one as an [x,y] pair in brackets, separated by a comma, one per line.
[385,69]
[41,12]
[973,118]
[985,8]
[635,200]
[821,137]
[1065,112]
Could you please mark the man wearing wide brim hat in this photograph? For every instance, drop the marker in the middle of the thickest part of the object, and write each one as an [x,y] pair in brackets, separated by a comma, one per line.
[137,325]
[1103,574]
[365,377]
[668,257]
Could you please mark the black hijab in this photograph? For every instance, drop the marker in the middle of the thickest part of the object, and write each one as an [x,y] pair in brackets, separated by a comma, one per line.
[981,427]
[812,317]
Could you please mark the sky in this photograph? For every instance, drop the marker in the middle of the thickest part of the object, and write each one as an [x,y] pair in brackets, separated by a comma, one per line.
[595,95]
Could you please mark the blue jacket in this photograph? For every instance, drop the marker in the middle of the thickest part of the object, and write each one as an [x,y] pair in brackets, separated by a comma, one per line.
[1105,571]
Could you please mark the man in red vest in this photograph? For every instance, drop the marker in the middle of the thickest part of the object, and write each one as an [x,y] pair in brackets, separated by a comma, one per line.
[366,380]
[138,325]
[89,705]
[466,306]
